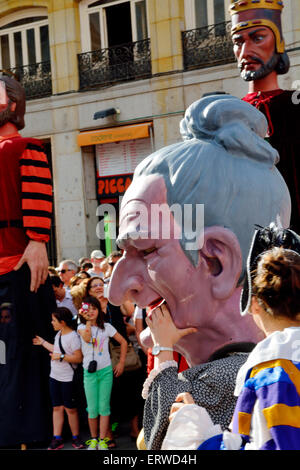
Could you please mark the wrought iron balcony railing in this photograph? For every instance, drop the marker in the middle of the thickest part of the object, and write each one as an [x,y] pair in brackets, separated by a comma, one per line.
[115,64]
[208,46]
[35,78]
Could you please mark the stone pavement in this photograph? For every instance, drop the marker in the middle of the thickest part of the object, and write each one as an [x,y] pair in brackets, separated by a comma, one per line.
[123,439]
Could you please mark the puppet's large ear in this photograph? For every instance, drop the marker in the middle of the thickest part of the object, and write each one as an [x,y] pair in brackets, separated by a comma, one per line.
[222,253]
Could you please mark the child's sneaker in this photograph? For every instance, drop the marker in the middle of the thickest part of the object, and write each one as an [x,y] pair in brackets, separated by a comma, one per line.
[103,444]
[78,444]
[56,444]
[92,444]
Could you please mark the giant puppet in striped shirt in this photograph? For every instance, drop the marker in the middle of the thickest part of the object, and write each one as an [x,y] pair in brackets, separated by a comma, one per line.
[26,296]
[25,180]
[25,198]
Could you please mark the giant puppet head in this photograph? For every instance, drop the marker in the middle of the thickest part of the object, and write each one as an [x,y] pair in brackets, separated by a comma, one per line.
[197,265]
[12,102]
[257,37]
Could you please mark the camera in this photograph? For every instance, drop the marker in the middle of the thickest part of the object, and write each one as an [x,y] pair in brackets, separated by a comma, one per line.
[92,366]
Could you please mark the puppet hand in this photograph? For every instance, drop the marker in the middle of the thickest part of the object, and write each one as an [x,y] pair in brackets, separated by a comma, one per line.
[35,255]
[181,400]
[163,329]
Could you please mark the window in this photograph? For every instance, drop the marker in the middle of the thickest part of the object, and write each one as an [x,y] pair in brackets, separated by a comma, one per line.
[24,39]
[110,23]
[141,20]
[115,44]
[202,13]
[207,40]
[201,18]
[219,11]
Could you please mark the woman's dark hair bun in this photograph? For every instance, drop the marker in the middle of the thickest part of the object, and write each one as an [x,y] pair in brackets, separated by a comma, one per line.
[277,281]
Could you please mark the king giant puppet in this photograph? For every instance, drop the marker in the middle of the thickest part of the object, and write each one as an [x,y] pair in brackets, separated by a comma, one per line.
[260,50]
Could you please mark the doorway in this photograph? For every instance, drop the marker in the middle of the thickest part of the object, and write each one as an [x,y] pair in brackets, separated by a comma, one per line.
[118,22]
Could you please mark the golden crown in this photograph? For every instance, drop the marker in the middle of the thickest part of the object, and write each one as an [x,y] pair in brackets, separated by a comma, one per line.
[249,13]
[242,5]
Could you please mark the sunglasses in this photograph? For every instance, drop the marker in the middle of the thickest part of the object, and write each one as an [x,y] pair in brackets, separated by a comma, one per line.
[96,285]
[63,271]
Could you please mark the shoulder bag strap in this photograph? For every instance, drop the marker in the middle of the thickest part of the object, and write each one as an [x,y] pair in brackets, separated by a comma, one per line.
[60,345]
[62,349]
[93,340]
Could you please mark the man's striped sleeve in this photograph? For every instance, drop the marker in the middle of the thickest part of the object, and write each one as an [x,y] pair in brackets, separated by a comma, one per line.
[36,188]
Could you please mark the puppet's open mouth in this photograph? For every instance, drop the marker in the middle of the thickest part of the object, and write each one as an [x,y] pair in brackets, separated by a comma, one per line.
[155,304]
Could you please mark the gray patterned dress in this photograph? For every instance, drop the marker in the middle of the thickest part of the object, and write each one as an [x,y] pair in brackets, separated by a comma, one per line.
[211,385]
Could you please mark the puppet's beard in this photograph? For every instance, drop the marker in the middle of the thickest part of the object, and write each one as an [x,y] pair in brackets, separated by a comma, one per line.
[6,115]
[262,72]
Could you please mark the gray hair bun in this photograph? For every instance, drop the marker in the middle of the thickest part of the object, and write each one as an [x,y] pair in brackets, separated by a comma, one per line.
[232,123]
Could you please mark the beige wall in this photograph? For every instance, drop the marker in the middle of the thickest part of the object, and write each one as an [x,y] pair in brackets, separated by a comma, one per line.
[64,33]
[166,20]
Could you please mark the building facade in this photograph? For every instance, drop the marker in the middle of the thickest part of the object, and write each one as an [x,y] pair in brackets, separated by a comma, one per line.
[107,83]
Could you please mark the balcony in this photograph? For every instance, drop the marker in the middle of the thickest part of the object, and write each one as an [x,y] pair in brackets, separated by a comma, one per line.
[115,64]
[35,78]
[208,46]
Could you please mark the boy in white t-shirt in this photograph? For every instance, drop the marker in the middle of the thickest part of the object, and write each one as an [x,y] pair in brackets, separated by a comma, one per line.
[63,365]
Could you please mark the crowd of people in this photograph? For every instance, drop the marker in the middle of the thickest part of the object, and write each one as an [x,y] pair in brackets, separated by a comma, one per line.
[84,381]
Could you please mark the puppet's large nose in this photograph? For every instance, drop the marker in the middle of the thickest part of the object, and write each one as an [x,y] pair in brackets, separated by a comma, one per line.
[125,282]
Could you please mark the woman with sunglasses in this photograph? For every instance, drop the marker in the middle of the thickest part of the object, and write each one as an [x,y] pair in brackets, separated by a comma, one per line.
[95,286]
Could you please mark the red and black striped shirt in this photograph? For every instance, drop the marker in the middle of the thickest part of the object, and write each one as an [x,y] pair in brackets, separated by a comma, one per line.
[25,197]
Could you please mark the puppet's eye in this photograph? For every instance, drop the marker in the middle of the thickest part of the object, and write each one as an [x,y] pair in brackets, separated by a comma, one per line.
[237,42]
[258,37]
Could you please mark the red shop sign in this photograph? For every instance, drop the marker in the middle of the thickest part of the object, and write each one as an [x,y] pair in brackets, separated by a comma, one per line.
[113,185]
